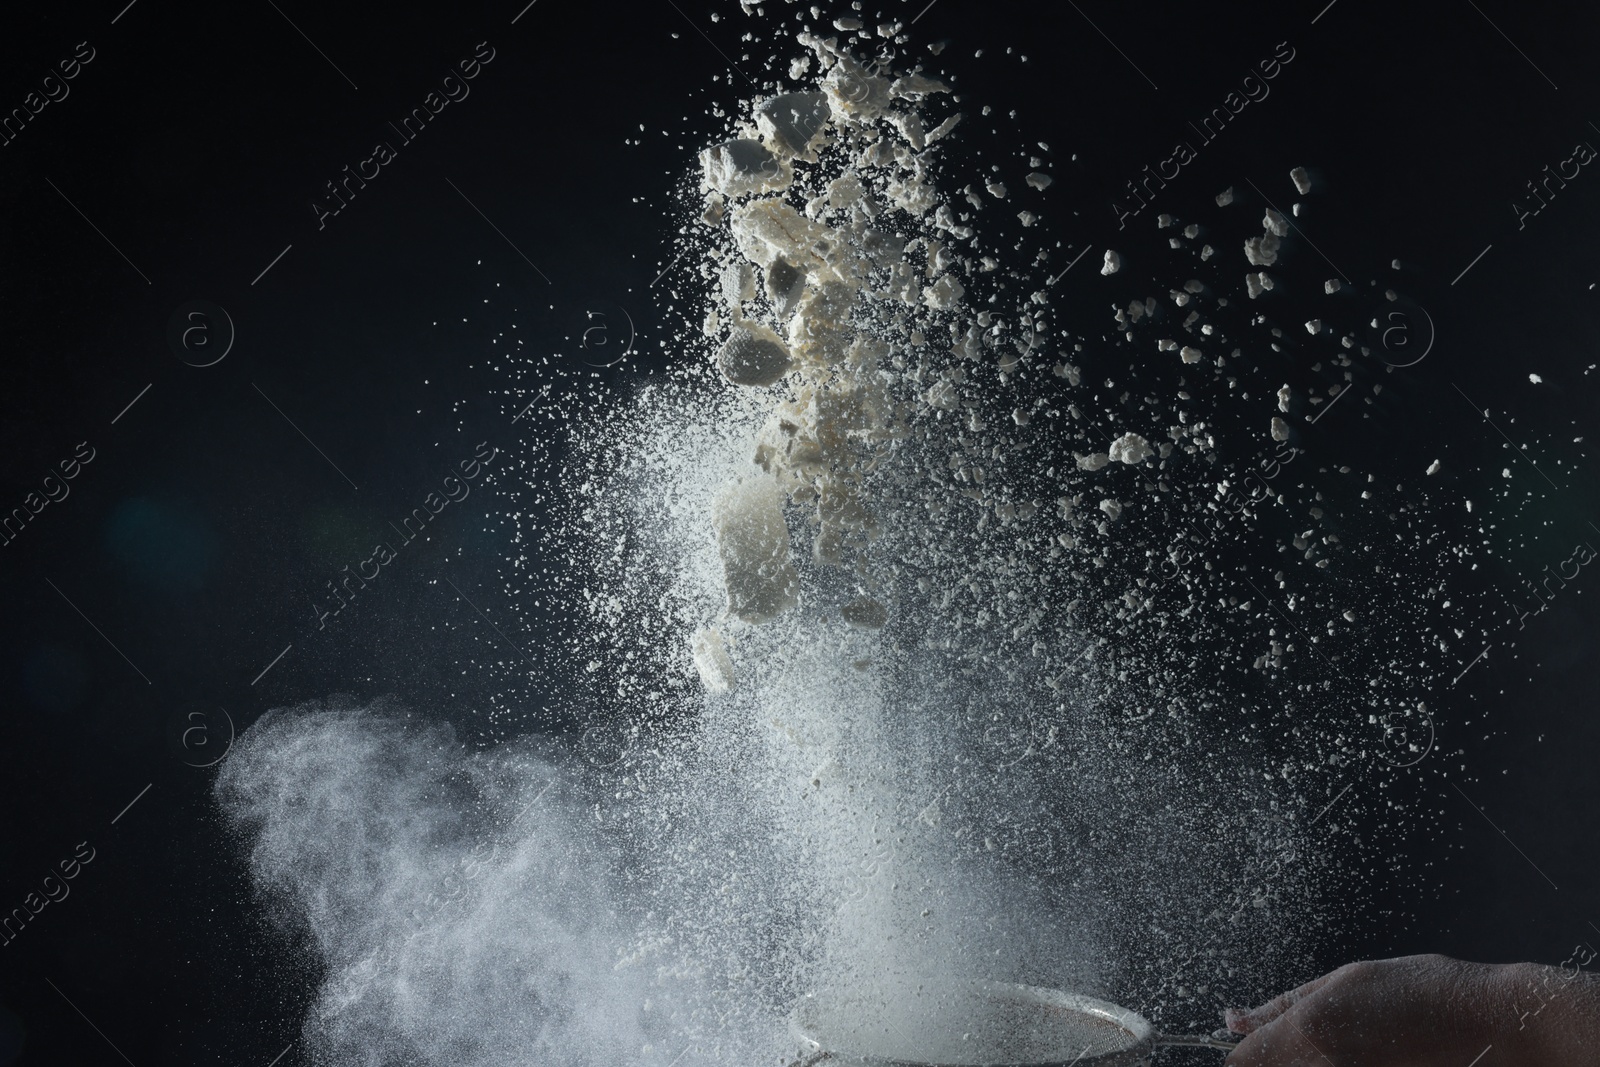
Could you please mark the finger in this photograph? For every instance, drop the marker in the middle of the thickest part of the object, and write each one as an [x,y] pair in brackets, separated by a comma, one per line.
[1242,1021]
[1274,1046]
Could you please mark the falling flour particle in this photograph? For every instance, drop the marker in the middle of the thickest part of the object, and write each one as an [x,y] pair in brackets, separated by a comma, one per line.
[738,283]
[944,293]
[1275,223]
[1283,399]
[1190,354]
[790,123]
[1040,181]
[1261,251]
[1280,429]
[1535,379]
[753,541]
[1225,197]
[1112,508]
[1302,180]
[1130,448]
[712,661]
[785,283]
[741,166]
[753,355]
[1314,327]
[1332,285]
[1433,468]
[1112,264]
[1093,462]
[864,613]
[1256,284]
[943,128]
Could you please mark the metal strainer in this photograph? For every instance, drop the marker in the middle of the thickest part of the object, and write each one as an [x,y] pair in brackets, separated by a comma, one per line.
[989,1024]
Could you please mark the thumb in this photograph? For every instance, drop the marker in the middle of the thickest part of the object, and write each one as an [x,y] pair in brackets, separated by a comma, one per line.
[1249,1020]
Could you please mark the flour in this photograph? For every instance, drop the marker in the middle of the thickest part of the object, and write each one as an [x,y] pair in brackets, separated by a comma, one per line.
[892,647]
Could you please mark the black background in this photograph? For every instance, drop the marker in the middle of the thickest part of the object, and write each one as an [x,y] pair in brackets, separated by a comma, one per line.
[196,540]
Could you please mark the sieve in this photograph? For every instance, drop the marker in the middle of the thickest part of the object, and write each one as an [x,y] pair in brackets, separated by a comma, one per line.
[988,1024]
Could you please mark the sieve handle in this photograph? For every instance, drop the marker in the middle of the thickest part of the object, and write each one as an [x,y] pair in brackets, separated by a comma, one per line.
[811,1060]
[1222,1039]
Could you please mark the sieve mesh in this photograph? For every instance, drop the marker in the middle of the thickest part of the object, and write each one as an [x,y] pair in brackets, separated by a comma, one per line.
[978,1026]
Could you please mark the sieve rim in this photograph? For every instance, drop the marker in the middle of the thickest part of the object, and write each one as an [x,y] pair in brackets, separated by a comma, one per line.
[1141,1035]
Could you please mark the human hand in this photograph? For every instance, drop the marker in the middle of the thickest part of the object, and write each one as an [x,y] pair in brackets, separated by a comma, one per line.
[1415,1011]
